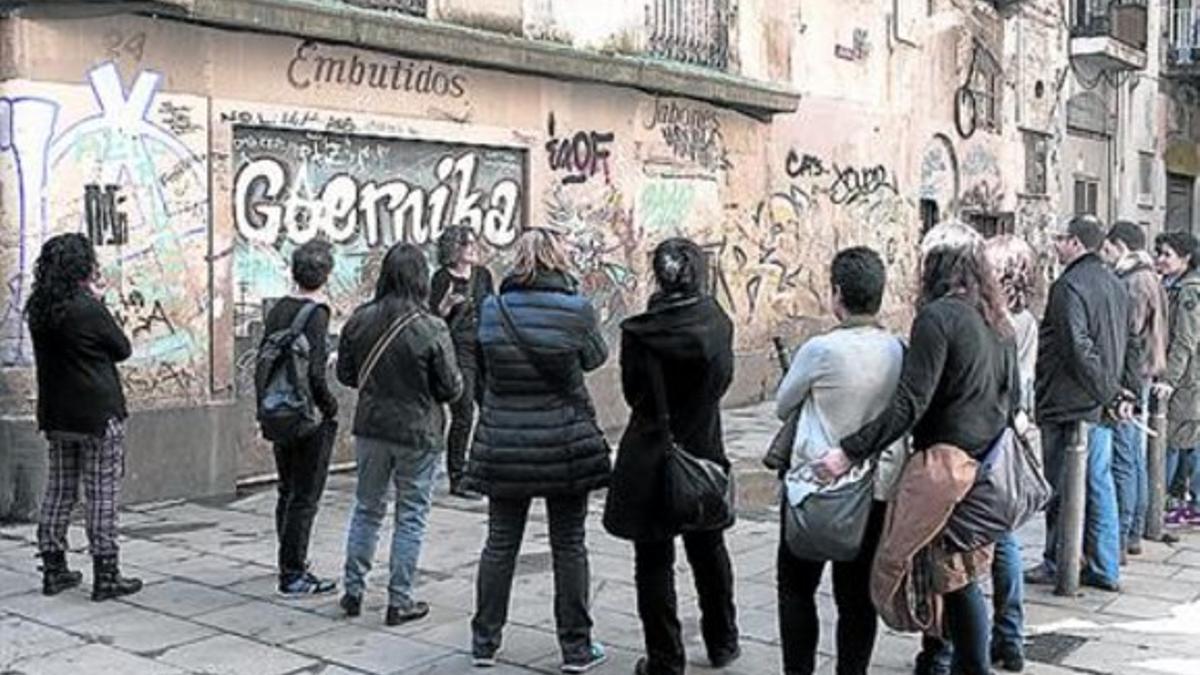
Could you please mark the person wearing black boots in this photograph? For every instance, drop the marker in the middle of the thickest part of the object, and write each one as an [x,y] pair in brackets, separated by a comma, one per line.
[81,410]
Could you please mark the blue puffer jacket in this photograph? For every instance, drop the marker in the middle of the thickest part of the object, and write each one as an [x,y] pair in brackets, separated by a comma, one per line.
[537,433]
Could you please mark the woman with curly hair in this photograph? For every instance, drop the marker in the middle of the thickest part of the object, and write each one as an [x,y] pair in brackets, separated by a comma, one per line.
[81,408]
[457,291]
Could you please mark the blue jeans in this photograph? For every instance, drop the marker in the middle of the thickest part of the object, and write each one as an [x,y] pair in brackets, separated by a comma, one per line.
[1101,536]
[1130,479]
[1182,467]
[412,471]
[965,624]
[1008,598]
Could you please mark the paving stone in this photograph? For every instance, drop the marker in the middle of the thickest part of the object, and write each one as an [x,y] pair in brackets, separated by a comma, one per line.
[25,639]
[268,622]
[231,655]
[372,651]
[183,599]
[16,583]
[94,658]
[1113,657]
[458,664]
[1138,607]
[217,571]
[140,631]
[60,610]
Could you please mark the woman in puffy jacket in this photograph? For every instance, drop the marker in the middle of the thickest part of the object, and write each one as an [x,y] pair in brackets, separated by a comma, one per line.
[537,437]
[686,339]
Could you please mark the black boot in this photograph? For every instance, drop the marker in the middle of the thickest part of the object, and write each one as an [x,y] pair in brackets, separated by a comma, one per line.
[56,577]
[108,582]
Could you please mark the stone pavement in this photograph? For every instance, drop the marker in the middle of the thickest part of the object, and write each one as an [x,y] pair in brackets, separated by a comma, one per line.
[210,605]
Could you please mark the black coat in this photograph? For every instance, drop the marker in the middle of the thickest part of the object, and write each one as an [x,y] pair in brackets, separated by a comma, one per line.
[537,434]
[79,389]
[692,341]
[401,399]
[1084,352]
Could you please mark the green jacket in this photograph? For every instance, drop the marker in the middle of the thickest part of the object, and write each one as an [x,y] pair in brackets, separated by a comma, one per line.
[1183,366]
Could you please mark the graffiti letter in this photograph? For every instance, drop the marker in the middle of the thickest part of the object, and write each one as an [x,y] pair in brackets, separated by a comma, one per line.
[499,227]
[466,201]
[338,205]
[271,215]
[372,196]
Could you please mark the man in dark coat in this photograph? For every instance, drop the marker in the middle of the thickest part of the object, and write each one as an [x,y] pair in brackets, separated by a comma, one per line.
[683,344]
[1086,371]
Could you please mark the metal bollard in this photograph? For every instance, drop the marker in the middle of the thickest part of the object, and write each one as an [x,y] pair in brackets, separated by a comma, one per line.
[1156,468]
[1071,511]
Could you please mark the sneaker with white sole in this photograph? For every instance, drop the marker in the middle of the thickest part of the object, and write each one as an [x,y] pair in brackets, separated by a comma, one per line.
[307,585]
[485,660]
[595,657]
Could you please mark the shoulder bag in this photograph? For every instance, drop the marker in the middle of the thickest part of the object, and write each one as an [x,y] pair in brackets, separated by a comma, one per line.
[699,493]
[382,344]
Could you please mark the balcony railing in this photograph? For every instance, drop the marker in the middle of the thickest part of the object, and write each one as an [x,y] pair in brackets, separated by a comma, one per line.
[410,7]
[1122,20]
[1183,36]
[690,31]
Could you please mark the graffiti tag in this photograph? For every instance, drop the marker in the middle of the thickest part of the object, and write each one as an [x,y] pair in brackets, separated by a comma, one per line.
[580,156]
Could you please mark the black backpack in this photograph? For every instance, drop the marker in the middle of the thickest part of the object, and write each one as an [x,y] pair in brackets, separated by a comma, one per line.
[286,410]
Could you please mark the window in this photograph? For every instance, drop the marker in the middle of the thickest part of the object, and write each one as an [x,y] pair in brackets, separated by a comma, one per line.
[985,86]
[1146,178]
[1087,194]
[1036,145]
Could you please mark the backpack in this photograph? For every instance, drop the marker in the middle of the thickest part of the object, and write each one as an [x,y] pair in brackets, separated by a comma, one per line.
[286,410]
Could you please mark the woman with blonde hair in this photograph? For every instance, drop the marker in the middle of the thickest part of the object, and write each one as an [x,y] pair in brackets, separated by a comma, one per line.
[537,437]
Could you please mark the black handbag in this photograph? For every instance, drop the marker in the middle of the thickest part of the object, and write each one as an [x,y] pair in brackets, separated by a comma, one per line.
[699,493]
[1010,488]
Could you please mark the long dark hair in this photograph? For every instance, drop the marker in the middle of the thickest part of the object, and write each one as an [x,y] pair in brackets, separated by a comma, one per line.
[954,264]
[66,261]
[404,275]
[680,268]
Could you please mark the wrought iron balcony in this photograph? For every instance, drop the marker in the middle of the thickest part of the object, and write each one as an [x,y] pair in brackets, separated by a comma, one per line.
[690,31]
[1183,41]
[410,7]
[1109,35]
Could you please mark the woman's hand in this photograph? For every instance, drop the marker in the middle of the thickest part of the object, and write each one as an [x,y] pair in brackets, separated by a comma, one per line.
[831,466]
[449,302]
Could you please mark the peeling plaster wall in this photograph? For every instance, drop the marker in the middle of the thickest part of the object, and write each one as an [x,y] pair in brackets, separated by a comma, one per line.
[230,149]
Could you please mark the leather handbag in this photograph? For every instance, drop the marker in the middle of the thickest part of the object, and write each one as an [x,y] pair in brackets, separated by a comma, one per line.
[779,453]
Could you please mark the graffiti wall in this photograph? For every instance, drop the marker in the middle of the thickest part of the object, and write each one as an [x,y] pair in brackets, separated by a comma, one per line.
[125,163]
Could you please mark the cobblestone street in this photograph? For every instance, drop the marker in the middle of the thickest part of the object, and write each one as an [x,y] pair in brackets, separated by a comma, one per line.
[210,604]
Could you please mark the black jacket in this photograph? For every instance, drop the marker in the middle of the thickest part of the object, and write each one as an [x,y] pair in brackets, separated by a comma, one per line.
[317,332]
[691,339]
[1085,356]
[959,384]
[463,318]
[401,399]
[537,433]
[79,389]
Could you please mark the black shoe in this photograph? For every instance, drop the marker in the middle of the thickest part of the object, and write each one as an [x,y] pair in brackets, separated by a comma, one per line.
[307,585]
[351,604]
[928,666]
[398,615]
[1134,548]
[723,658]
[1010,659]
[1102,584]
[56,576]
[108,582]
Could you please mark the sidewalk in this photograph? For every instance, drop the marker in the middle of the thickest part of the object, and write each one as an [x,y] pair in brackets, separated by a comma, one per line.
[210,603]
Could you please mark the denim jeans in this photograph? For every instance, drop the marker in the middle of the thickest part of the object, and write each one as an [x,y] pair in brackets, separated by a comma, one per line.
[412,471]
[1008,607]
[493,583]
[1130,477]
[1183,474]
[1102,540]
[303,466]
[966,624]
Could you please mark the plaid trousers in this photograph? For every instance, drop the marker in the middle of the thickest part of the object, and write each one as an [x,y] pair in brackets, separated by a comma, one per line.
[97,461]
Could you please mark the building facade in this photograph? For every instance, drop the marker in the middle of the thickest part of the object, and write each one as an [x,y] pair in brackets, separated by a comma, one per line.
[199,141]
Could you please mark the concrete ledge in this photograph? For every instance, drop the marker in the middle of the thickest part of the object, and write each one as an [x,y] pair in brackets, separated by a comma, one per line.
[391,32]
[169,453]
